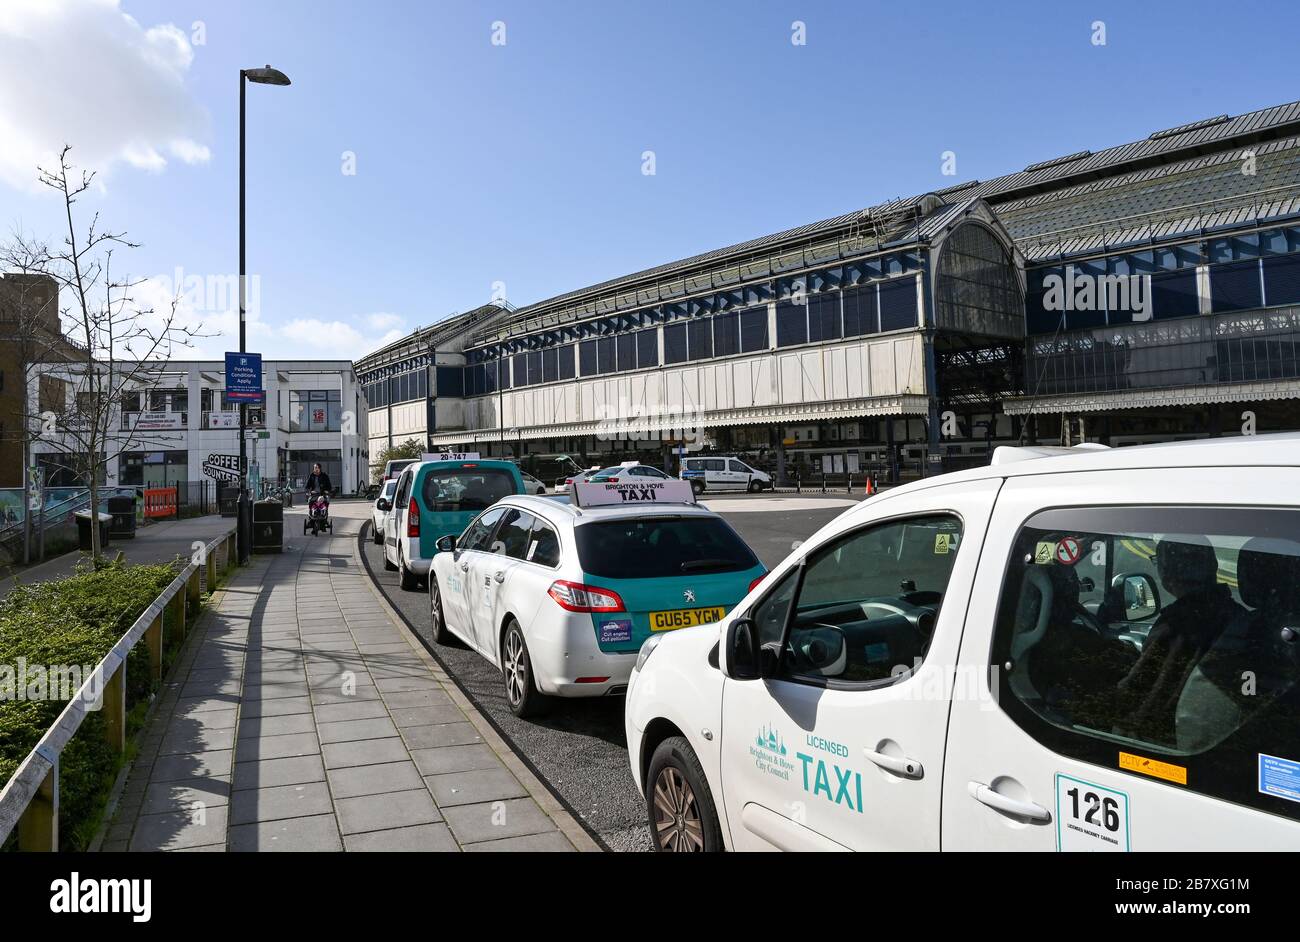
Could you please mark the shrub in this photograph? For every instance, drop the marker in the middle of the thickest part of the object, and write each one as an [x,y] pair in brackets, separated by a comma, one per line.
[74,621]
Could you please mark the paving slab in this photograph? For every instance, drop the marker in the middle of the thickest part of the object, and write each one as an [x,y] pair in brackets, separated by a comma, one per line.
[302,715]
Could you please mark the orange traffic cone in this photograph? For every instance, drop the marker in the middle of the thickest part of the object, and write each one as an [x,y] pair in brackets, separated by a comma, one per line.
[870,487]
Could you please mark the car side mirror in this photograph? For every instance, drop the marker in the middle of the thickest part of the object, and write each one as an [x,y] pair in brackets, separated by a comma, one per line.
[740,651]
[1135,596]
[744,657]
[446,544]
[383,505]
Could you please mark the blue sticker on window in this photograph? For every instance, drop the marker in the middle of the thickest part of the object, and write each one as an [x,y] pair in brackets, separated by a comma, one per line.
[619,629]
[1279,777]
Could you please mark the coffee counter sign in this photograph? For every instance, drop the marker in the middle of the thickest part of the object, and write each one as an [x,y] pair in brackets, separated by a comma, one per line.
[222,467]
[244,377]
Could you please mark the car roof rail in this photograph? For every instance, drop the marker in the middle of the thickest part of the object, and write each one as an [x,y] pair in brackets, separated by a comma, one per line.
[1013,454]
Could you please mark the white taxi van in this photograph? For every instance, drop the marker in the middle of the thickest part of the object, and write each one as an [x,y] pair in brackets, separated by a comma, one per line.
[1068,650]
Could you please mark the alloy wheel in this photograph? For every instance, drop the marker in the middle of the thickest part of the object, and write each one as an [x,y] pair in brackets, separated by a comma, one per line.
[677,815]
[515,669]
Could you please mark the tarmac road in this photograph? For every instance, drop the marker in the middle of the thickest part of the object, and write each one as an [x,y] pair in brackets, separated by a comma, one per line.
[578,748]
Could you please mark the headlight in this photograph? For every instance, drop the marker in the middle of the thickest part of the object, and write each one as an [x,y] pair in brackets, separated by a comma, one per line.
[647,649]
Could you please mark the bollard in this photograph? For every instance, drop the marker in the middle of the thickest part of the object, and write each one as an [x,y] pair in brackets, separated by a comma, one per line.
[38,828]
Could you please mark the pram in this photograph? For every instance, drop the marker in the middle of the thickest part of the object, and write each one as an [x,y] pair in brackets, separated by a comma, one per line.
[318,514]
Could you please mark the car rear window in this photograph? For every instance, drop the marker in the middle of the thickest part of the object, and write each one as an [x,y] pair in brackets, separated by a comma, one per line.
[457,489]
[660,546]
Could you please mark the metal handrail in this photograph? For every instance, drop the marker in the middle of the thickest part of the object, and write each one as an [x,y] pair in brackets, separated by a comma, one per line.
[30,799]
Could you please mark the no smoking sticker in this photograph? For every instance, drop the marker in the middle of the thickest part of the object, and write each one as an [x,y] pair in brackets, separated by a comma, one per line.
[1068,551]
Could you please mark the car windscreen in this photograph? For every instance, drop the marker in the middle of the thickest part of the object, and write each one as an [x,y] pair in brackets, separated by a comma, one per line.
[656,547]
[474,489]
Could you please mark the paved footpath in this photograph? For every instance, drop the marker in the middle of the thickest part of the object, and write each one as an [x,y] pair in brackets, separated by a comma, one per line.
[303,715]
[156,543]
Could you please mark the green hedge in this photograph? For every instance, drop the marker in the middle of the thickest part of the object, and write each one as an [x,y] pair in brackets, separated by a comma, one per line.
[74,621]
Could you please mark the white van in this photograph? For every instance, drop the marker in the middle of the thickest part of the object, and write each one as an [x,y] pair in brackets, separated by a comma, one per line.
[1067,650]
[720,472]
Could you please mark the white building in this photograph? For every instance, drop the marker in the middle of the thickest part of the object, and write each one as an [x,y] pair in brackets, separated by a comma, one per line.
[174,422]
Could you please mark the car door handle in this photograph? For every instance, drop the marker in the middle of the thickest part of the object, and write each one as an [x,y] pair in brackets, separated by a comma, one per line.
[499,577]
[899,765]
[999,802]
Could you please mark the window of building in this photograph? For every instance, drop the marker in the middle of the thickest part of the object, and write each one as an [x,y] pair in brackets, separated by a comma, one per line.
[1282,279]
[977,289]
[1236,286]
[647,348]
[898,304]
[674,344]
[700,338]
[314,410]
[1173,294]
[753,330]
[824,316]
[860,315]
[587,357]
[626,352]
[605,358]
[726,334]
[791,324]
[1173,635]
[566,356]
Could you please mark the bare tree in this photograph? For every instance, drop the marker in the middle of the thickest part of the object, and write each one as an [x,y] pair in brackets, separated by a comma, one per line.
[123,345]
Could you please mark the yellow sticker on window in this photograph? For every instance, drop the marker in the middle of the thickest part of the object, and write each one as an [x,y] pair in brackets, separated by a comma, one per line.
[1153,767]
[942,543]
[1044,553]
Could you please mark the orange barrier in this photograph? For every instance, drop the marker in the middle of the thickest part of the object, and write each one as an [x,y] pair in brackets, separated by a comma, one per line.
[160,502]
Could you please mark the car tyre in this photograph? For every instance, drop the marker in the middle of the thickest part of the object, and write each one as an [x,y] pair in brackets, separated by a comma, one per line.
[697,487]
[755,487]
[517,669]
[409,580]
[379,537]
[437,622]
[389,567]
[679,805]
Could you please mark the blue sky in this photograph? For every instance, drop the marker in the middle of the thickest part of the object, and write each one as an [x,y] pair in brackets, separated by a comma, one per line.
[522,163]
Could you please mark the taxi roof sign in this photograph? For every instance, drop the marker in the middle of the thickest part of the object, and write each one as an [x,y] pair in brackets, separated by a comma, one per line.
[631,493]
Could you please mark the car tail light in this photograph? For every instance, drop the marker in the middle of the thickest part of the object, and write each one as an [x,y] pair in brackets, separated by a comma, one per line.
[413,519]
[576,597]
[590,680]
[754,585]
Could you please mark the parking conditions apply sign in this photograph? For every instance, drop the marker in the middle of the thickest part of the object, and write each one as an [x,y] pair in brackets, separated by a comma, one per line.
[244,377]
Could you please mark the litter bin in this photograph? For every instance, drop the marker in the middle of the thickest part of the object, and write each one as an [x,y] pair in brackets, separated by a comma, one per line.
[122,510]
[83,528]
[228,500]
[268,526]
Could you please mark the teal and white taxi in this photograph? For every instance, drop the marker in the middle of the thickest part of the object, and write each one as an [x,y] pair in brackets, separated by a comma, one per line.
[562,595]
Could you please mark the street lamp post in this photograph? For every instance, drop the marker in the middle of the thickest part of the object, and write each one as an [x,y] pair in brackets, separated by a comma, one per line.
[244,523]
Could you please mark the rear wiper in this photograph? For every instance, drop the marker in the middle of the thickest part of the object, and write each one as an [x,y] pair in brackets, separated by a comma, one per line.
[698,565]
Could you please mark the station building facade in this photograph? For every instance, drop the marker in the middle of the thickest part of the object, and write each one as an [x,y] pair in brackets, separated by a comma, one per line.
[1146,292]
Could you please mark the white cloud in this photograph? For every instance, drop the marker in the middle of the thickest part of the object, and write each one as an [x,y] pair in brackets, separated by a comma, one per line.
[207,306]
[83,72]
